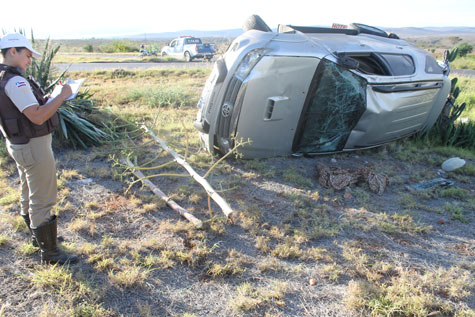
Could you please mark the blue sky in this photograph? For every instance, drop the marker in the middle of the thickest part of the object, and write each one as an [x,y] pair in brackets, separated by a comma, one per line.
[88,18]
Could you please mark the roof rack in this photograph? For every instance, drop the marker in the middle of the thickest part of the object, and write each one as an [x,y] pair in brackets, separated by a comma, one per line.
[311,29]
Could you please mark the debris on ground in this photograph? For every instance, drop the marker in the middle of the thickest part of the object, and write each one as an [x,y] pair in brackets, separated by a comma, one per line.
[339,178]
[452,164]
[436,182]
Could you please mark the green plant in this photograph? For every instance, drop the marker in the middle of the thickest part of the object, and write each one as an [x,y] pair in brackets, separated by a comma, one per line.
[80,124]
[293,175]
[446,130]
[161,97]
[88,48]
[4,239]
[453,192]
[119,47]
[464,49]
[456,212]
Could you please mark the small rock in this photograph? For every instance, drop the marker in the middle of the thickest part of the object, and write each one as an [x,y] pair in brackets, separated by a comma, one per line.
[347,195]
[333,160]
[441,172]
[452,164]
[312,282]
[441,221]
[85,181]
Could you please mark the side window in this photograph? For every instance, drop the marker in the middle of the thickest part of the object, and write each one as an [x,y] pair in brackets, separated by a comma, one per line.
[334,104]
[173,43]
[384,64]
[431,66]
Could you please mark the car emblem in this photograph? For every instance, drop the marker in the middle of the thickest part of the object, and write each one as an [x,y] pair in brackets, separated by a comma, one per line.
[226,110]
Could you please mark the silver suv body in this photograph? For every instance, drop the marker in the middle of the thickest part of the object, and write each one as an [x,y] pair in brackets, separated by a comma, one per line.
[318,90]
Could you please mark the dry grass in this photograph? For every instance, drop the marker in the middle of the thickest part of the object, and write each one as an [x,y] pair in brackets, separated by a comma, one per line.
[366,254]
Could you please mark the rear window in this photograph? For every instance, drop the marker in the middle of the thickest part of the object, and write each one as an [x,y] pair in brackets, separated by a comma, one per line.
[400,64]
[193,41]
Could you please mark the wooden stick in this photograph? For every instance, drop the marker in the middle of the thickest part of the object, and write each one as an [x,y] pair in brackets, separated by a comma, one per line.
[211,192]
[164,197]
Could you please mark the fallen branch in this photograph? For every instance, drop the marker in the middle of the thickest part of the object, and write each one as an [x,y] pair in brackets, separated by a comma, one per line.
[211,192]
[164,197]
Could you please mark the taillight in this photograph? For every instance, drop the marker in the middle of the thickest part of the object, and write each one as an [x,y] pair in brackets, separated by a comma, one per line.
[196,47]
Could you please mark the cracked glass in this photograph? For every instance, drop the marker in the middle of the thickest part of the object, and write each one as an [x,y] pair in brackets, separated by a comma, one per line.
[336,103]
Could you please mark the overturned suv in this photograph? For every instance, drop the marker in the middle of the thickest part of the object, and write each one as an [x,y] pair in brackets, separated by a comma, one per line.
[311,90]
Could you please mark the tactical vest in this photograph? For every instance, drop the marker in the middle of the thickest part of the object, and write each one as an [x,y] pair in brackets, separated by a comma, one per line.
[15,126]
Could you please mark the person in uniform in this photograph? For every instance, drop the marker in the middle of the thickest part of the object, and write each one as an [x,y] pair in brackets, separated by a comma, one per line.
[27,120]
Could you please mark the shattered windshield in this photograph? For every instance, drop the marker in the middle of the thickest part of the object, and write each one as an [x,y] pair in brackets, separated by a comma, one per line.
[336,101]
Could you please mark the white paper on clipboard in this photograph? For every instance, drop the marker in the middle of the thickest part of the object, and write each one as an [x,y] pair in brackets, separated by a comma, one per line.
[75,85]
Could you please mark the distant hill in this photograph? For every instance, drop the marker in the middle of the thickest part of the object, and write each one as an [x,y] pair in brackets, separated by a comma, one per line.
[430,31]
[232,33]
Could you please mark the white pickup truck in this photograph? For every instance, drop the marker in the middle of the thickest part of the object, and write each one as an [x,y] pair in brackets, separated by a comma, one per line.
[190,48]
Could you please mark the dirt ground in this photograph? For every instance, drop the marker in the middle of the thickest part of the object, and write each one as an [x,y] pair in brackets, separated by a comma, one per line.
[293,248]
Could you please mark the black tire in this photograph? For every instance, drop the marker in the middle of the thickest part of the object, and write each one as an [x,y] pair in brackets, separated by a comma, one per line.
[255,22]
[368,29]
[188,57]
[164,54]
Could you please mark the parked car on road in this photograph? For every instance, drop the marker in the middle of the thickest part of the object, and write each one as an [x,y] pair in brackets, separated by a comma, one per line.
[189,48]
[312,90]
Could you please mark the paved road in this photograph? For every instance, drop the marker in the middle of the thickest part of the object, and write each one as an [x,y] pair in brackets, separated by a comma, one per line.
[98,66]
[463,72]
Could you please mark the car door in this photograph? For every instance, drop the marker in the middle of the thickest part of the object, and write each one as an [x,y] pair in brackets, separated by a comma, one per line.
[179,47]
[172,47]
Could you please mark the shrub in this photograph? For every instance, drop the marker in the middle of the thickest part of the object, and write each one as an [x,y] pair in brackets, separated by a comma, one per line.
[464,49]
[88,48]
[119,47]
[447,131]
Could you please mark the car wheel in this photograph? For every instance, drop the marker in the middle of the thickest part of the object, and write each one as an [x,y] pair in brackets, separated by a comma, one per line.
[367,29]
[188,57]
[255,22]
[164,54]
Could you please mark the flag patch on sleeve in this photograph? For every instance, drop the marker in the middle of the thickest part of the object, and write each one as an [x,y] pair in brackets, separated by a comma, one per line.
[20,84]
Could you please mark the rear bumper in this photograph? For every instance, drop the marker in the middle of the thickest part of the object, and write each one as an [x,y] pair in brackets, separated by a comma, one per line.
[203,55]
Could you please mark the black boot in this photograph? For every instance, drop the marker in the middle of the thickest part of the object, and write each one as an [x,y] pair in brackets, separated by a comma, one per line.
[33,239]
[27,221]
[45,234]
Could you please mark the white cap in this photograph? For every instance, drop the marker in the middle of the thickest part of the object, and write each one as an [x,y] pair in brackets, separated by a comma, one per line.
[17,40]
